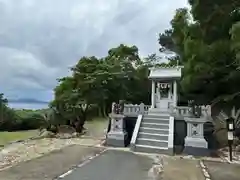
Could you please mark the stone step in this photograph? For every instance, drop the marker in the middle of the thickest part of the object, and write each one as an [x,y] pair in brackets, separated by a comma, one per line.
[156,120]
[162,116]
[144,135]
[151,149]
[158,111]
[154,125]
[153,130]
[152,142]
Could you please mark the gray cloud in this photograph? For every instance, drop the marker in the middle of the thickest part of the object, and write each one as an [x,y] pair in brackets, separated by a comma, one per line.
[39,40]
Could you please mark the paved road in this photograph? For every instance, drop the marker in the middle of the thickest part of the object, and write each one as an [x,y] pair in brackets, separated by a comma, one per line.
[114,165]
[51,165]
[223,171]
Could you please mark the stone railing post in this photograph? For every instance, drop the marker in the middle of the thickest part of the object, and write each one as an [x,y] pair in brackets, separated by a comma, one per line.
[117,136]
[141,108]
[195,144]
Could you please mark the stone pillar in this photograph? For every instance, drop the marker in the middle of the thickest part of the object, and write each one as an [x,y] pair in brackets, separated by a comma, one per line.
[175,96]
[170,91]
[195,144]
[117,136]
[153,94]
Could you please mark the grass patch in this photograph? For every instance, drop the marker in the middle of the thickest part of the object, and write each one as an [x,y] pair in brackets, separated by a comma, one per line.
[7,137]
[96,126]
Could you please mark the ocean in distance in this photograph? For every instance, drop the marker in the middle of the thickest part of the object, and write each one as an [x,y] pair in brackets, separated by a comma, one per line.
[26,105]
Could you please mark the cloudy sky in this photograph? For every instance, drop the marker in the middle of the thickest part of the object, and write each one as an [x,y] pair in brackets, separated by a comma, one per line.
[41,39]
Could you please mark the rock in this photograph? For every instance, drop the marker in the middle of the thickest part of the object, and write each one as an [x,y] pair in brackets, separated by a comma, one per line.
[76,134]
[156,172]
[158,160]
[66,129]
[187,157]
[42,130]
[238,148]
[64,136]
[47,134]
[225,149]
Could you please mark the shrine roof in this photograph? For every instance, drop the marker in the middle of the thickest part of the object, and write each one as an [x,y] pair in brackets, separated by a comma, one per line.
[165,72]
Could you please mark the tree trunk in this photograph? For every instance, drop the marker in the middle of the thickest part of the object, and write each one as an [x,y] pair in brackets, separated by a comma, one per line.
[104,109]
[99,111]
[81,120]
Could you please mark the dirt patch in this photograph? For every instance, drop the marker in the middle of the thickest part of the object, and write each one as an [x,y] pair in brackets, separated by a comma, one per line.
[51,165]
[223,171]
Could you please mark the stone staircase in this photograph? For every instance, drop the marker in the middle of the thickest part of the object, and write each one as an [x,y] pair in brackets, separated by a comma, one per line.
[153,134]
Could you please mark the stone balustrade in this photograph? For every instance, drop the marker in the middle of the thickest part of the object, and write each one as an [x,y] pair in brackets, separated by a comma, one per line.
[182,111]
[133,110]
[185,111]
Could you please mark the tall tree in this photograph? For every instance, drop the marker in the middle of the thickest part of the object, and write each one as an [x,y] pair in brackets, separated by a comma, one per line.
[99,82]
[203,41]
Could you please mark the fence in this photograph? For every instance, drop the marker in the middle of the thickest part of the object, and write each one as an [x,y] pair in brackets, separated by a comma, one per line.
[133,110]
[185,111]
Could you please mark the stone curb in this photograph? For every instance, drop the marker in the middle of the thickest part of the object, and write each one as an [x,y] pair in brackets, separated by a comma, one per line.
[205,171]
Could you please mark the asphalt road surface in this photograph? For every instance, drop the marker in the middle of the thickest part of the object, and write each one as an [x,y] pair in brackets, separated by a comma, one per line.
[114,165]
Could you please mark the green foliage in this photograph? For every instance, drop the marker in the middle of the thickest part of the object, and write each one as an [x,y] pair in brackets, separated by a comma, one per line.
[11,120]
[96,83]
[206,40]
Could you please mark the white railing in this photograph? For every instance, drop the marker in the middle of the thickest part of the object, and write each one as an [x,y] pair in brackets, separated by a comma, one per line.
[186,111]
[206,112]
[135,132]
[181,111]
[135,109]
[171,133]
[147,107]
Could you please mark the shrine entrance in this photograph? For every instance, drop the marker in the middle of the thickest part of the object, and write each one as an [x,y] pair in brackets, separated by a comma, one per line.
[164,87]
[164,95]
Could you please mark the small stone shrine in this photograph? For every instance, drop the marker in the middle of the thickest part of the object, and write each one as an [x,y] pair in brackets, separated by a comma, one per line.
[195,143]
[117,136]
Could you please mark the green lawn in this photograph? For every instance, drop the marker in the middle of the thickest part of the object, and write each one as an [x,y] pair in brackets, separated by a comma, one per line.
[6,137]
[95,128]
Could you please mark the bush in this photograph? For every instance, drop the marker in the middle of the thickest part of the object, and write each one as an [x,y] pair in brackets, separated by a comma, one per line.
[22,120]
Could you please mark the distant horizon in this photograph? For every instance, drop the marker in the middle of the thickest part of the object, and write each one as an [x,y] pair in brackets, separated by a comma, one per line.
[27,105]
[28,100]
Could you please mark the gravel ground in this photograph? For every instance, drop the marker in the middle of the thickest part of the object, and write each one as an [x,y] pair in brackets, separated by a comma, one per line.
[23,151]
[51,165]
